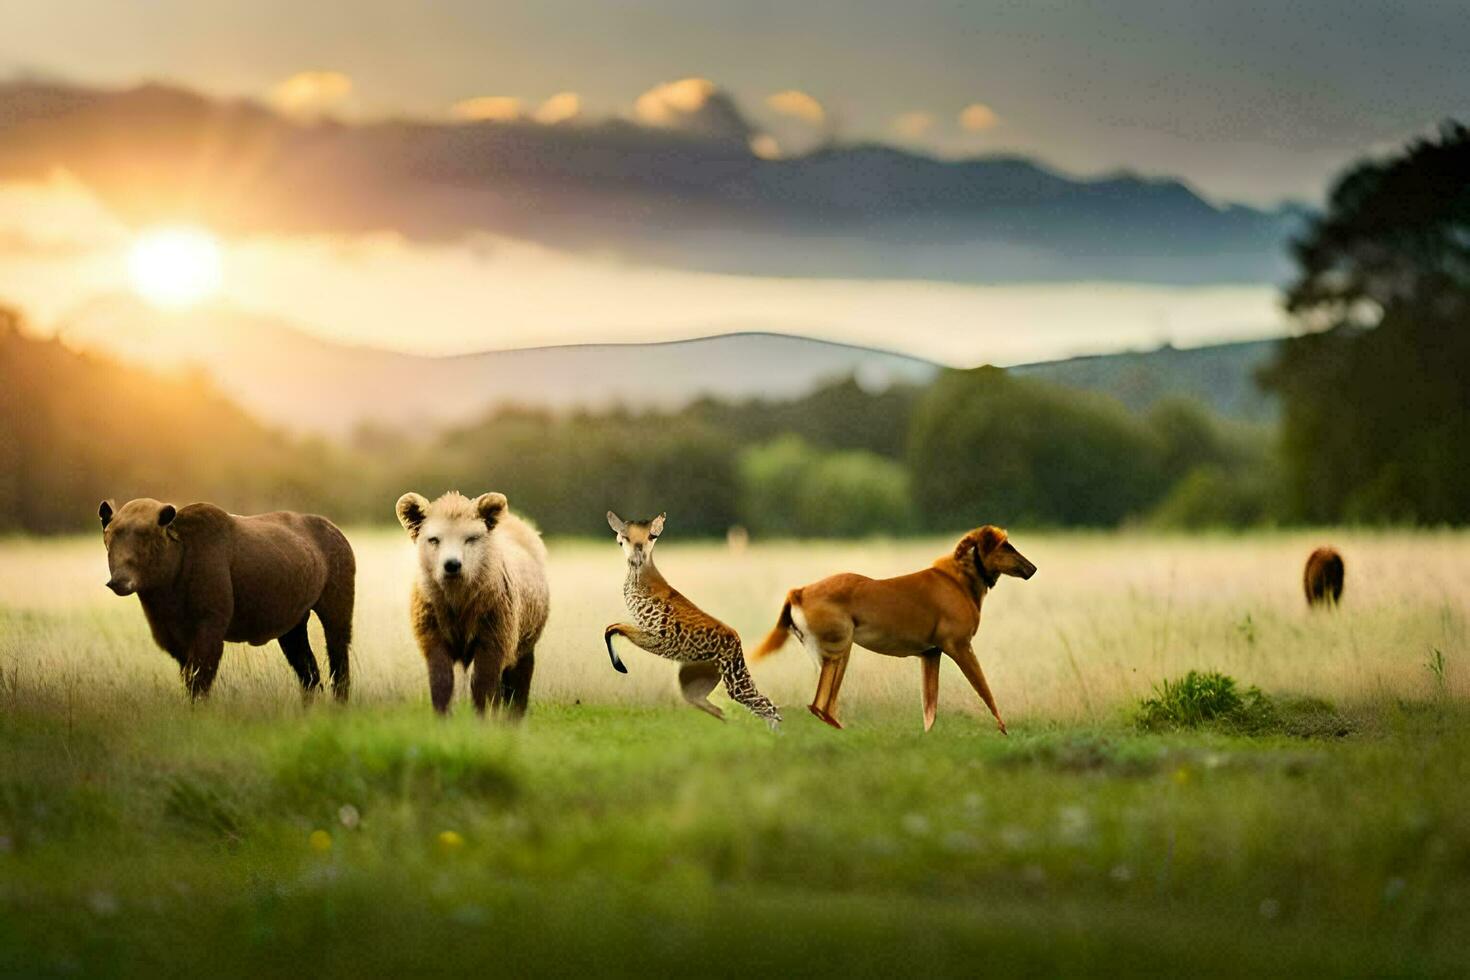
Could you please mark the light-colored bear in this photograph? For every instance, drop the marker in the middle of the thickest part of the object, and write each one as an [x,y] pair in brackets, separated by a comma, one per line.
[480,599]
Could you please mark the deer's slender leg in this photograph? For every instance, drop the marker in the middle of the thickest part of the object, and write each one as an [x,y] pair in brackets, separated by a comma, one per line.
[696,681]
[640,637]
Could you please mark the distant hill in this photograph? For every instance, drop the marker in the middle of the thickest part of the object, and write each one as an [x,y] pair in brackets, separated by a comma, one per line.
[1221,376]
[290,378]
[679,199]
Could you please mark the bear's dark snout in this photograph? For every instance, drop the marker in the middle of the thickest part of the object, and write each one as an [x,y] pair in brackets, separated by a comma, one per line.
[120,585]
[452,566]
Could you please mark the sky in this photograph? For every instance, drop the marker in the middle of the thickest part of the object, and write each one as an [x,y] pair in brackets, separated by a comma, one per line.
[384,290]
[1249,101]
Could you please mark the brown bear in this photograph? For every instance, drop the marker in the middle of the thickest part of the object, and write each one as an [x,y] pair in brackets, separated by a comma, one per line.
[1322,579]
[205,577]
[480,599]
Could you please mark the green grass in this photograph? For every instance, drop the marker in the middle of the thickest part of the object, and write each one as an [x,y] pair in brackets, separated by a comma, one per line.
[631,839]
[619,832]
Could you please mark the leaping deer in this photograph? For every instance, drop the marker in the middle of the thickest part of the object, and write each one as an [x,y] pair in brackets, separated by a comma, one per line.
[668,625]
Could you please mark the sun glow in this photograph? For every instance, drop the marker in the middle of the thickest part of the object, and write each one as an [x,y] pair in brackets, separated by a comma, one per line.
[176,267]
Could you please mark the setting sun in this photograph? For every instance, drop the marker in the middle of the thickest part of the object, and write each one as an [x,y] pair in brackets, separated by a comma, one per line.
[175,267]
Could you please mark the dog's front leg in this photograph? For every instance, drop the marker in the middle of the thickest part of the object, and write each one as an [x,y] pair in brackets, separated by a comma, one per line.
[962,654]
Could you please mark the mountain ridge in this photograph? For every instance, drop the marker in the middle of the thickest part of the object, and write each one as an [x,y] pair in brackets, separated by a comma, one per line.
[291,378]
[678,199]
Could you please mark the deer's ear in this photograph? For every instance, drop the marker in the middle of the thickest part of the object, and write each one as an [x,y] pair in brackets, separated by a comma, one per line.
[656,526]
[412,509]
[615,522]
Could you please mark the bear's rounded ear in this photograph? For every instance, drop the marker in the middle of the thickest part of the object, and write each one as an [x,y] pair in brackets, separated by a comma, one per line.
[617,524]
[105,511]
[656,526]
[412,509]
[167,514]
[489,506]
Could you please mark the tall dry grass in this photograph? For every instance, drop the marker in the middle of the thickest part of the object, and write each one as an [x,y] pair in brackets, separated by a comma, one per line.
[1107,616]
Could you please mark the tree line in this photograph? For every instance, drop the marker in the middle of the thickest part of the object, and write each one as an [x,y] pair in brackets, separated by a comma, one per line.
[841,461]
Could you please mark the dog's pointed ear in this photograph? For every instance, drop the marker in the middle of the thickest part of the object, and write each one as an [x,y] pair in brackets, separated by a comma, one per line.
[105,510]
[982,540]
[617,524]
[490,506]
[412,509]
[656,526]
[991,537]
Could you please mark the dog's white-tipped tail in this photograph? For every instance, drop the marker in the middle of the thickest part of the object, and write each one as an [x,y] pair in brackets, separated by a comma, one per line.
[776,638]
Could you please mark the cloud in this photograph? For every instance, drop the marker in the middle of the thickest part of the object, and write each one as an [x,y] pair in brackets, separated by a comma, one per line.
[693,105]
[913,125]
[561,107]
[311,93]
[798,104]
[667,103]
[977,117]
[764,145]
[494,108]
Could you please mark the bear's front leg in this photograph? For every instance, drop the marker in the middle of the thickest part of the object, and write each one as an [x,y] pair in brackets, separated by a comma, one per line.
[441,676]
[201,662]
[488,665]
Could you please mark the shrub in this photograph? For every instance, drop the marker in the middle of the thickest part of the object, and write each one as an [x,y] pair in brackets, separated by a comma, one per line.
[1200,698]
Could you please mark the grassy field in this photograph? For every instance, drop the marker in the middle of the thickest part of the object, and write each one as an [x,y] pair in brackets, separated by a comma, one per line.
[622,832]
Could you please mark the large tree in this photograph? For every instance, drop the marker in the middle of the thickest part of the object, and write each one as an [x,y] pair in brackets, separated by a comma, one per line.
[1377,390]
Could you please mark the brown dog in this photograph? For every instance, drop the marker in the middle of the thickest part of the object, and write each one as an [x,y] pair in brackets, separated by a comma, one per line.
[1322,579]
[920,615]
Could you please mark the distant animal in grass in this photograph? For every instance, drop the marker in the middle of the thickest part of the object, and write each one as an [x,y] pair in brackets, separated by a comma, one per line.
[480,598]
[925,614]
[205,577]
[668,625]
[1322,580]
